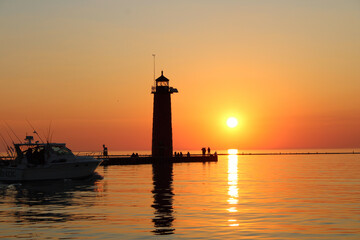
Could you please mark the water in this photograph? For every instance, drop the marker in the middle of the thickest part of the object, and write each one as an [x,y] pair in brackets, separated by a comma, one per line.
[240,197]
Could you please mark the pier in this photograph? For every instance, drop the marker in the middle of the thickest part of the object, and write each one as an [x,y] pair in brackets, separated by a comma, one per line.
[148,159]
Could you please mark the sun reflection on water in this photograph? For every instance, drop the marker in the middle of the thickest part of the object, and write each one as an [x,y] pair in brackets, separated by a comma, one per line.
[233,190]
[233,151]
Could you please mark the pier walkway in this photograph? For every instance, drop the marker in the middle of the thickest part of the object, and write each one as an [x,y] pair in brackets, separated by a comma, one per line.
[141,159]
[148,159]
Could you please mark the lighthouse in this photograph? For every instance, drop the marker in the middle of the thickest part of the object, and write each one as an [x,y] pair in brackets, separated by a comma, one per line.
[162,128]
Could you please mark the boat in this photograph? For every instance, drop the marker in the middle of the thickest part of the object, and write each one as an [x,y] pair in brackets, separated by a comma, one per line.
[33,161]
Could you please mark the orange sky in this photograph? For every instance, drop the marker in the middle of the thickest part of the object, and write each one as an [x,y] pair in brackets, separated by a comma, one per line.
[288,70]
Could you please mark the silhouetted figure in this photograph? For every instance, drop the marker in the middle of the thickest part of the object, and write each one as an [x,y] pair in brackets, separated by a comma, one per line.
[188,154]
[181,154]
[105,151]
[136,155]
[36,156]
[203,151]
[29,155]
[209,150]
[39,156]
[42,156]
[133,155]
[175,154]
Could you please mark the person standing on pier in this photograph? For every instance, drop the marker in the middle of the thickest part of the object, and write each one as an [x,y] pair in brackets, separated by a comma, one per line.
[105,151]
[203,150]
[208,150]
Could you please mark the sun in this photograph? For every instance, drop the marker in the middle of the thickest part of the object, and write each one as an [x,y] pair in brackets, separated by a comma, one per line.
[232,122]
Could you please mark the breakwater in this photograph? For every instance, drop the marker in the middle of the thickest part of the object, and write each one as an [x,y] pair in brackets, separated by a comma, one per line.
[147,159]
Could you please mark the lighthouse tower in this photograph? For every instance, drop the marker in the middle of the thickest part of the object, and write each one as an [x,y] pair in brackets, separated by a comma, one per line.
[162,129]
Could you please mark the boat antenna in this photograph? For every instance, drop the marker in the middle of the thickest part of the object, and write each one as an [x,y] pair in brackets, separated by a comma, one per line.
[154,69]
[12,132]
[35,131]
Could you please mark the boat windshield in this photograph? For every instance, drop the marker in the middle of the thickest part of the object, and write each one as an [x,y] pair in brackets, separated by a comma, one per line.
[61,150]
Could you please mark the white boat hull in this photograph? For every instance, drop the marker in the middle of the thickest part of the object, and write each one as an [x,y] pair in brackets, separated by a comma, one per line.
[55,171]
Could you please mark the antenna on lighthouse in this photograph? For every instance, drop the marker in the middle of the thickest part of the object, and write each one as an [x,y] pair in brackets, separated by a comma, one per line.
[154,68]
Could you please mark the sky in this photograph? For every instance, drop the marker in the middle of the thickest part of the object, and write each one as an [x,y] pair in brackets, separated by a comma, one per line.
[287,70]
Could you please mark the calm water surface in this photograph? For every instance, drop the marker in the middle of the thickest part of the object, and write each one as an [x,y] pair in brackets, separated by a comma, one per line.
[240,197]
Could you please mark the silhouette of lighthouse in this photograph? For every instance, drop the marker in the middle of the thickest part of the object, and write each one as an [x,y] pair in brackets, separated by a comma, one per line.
[162,130]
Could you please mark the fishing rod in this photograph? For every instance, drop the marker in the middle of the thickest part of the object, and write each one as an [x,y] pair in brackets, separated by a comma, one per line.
[10,136]
[46,138]
[52,132]
[35,131]
[12,132]
[49,132]
[11,150]
[6,146]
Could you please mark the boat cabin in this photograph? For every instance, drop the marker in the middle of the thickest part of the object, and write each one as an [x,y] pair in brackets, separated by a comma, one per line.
[40,153]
